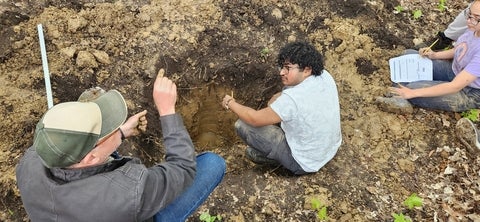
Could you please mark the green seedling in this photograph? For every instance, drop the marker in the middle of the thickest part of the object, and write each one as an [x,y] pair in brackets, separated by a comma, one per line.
[400,218]
[206,217]
[398,9]
[471,115]
[413,201]
[264,53]
[417,14]
[320,208]
[442,5]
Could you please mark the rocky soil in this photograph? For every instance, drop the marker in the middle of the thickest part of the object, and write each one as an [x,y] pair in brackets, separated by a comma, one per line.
[214,47]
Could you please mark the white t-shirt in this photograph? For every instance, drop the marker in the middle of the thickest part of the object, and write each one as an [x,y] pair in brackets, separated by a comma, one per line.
[310,113]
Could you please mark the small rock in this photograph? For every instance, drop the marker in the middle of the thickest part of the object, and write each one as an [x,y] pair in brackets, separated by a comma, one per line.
[101,56]
[277,13]
[69,52]
[76,24]
[449,170]
[86,60]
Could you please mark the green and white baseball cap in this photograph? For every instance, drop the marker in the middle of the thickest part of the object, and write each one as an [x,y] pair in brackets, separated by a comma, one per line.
[68,131]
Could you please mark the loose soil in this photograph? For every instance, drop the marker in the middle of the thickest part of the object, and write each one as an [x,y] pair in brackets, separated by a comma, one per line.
[215,47]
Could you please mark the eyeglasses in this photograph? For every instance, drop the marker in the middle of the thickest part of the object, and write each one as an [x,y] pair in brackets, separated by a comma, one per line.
[287,68]
[473,19]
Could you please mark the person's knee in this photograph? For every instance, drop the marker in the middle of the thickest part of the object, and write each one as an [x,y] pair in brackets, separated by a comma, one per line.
[239,124]
[214,162]
[242,129]
[410,51]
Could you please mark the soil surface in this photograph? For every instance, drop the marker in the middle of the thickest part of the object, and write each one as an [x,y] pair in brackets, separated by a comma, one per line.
[215,47]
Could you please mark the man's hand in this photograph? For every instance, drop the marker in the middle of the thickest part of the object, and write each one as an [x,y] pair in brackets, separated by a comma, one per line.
[164,95]
[226,101]
[135,124]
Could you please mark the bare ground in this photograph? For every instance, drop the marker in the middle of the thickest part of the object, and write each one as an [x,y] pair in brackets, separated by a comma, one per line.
[213,47]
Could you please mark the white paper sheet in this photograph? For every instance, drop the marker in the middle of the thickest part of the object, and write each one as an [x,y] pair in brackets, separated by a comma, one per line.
[410,68]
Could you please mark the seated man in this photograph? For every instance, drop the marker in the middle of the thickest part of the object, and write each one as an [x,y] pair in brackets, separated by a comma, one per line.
[307,109]
[70,174]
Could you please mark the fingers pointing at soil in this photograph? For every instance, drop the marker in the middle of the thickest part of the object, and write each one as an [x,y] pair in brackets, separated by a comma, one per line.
[161,73]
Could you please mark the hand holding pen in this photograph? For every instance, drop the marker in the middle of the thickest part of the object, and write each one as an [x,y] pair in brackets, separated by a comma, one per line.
[427,52]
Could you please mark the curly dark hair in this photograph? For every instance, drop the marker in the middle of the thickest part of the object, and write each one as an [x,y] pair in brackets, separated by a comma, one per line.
[303,54]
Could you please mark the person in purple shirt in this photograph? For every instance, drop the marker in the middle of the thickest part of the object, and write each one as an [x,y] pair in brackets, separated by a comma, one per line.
[456,84]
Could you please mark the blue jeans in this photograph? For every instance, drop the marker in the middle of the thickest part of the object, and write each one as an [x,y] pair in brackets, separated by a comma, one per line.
[466,99]
[210,171]
[269,140]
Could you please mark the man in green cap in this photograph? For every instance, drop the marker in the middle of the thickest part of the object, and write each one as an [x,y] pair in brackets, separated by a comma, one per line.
[70,174]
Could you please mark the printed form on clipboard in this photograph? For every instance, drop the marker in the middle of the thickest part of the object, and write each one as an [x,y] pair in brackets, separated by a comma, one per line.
[410,68]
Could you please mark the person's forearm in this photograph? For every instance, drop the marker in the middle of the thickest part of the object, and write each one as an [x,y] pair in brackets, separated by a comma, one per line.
[437,90]
[167,180]
[177,141]
[447,54]
[244,113]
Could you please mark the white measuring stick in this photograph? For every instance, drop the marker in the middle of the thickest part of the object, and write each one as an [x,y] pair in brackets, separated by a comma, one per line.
[46,73]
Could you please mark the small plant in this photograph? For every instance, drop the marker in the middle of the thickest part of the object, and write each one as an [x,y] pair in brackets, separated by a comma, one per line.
[398,9]
[400,218]
[413,201]
[471,115]
[206,217]
[417,13]
[264,53]
[320,208]
[441,5]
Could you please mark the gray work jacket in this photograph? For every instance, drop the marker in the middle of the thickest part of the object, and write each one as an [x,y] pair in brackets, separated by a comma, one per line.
[120,190]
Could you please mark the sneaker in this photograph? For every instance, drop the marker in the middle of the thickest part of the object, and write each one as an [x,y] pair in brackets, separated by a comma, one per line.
[258,157]
[467,134]
[442,43]
[394,105]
